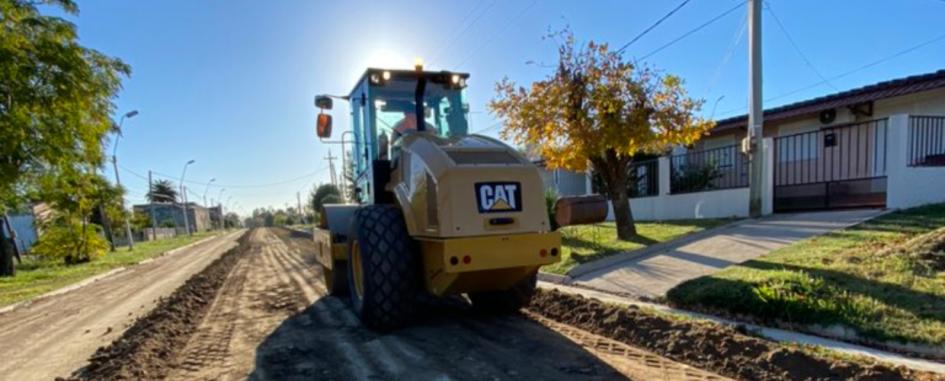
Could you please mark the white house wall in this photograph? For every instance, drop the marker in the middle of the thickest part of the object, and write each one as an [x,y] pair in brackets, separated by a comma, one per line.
[925,103]
[909,186]
[712,204]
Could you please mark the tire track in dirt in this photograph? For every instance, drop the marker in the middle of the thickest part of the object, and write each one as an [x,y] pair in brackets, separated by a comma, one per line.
[449,343]
[242,314]
[270,319]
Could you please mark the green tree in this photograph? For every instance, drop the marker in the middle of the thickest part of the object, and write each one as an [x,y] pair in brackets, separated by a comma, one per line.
[349,179]
[324,194]
[55,98]
[231,220]
[74,193]
[162,192]
[140,221]
[600,110]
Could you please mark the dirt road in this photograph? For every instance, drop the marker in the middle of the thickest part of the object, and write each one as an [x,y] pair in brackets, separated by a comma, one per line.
[271,320]
[260,312]
[54,336]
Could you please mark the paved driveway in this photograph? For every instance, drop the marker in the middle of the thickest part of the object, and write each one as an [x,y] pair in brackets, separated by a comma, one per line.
[654,274]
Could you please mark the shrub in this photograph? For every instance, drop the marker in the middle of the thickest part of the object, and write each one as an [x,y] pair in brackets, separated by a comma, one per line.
[71,242]
[695,177]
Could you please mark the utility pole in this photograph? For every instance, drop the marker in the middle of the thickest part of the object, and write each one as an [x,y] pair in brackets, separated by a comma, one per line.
[186,211]
[106,226]
[130,114]
[131,240]
[183,196]
[755,109]
[151,207]
[298,198]
[331,168]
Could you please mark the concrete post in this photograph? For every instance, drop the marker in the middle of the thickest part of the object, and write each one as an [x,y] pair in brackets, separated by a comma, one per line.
[588,183]
[664,176]
[755,109]
[897,151]
[767,181]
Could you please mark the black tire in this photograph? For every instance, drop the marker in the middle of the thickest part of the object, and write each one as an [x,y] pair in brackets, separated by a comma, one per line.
[506,301]
[389,265]
[7,267]
[336,279]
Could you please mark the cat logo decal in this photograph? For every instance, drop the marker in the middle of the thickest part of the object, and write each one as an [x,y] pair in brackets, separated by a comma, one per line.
[497,197]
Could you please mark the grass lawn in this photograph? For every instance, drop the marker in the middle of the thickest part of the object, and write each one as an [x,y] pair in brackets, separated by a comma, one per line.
[585,243]
[35,276]
[884,278]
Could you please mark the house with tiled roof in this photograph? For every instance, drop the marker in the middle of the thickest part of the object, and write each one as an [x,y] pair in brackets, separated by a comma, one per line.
[881,145]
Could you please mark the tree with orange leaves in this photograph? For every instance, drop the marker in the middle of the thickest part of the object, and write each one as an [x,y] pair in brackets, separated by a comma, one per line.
[599,110]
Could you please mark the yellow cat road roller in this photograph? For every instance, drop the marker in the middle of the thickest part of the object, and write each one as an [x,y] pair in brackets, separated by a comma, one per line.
[438,210]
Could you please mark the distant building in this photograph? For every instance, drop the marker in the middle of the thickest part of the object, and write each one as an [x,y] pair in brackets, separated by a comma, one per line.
[171,215]
[564,182]
[216,216]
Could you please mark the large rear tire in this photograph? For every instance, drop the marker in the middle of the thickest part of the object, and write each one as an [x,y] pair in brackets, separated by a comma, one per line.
[506,301]
[384,268]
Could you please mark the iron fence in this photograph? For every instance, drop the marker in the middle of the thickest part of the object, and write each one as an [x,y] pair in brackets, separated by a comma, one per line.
[712,169]
[926,141]
[644,178]
[833,167]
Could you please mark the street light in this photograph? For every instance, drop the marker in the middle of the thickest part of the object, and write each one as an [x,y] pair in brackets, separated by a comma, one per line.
[212,179]
[121,122]
[220,204]
[183,196]
[205,205]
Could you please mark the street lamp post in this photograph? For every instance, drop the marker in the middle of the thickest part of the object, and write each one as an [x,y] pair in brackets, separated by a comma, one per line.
[205,205]
[130,114]
[183,196]
[207,189]
[220,205]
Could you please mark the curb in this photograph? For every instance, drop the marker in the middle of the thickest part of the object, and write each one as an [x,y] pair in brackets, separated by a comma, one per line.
[554,278]
[608,261]
[96,278]
[774,334]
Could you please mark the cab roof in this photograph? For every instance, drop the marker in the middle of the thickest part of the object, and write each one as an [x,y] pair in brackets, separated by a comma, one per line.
[442,76]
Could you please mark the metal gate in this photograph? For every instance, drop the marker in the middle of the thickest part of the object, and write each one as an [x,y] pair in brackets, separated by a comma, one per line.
[836,167]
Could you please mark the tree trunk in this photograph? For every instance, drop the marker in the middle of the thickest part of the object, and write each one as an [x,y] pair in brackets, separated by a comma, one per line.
[623,216]
[614,171]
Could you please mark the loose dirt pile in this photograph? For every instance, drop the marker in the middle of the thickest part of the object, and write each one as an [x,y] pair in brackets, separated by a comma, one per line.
[147,350]
[708,346]
[928,248]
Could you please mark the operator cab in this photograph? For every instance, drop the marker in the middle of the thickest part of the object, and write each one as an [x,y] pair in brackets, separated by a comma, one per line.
[389,104]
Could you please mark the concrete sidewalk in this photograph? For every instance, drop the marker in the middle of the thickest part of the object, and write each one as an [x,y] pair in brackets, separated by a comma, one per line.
[656,273]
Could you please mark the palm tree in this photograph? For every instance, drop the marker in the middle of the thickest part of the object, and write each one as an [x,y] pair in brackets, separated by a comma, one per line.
[162,192]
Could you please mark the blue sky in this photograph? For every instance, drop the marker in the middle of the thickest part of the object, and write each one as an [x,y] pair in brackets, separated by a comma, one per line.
[230,83]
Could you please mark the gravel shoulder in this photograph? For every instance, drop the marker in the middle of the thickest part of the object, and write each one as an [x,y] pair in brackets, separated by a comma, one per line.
[53,336]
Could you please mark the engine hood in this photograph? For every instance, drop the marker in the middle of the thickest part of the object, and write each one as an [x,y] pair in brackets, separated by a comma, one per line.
[467,186]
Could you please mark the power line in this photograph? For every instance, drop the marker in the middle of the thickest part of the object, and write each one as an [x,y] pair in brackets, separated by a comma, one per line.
[694,30]
[133,173]
[796,48]
[736,40]
[849,72]
[221,185]
[647,30]
[498,31]
[493,126]
[440,52]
